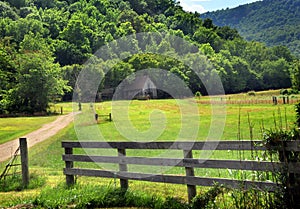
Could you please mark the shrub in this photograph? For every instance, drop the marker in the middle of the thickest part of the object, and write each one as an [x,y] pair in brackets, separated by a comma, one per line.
[289,91]
[284,92]
[203,201]
[198,95]
[288,195]
[251,93]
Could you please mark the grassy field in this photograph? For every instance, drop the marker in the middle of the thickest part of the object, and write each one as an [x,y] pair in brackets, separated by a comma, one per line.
[45,158]
[12,128]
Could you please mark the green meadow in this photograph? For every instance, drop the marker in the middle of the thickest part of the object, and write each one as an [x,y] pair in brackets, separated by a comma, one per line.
[241,122]
[12,128]
[15,127]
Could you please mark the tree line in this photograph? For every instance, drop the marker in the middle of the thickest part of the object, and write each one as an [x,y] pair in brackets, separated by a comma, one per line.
[44,45]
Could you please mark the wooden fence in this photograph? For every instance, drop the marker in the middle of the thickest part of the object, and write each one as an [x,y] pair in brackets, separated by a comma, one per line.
[187,161]
[251,101]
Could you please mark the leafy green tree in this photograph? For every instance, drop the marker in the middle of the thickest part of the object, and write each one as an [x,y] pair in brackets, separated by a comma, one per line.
[7,11]
[208,23]
[7,72]
[17,3]
[18,29]
[236,47]
[282,52]
[187,22]
[117,74]
[70,74]
[55,21]
[125,29]
[138,6]
[45,4]
[295,75]
[102,5]
[242,69]
[204,35]
[137,22]
[68,32]
[276,74]
[24,11]
[37,79]
[34,43]
[77,33]
[228,33]
[68,54]
[38,82]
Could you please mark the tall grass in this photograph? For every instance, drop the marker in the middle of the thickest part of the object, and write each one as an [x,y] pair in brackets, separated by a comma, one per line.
[13,182]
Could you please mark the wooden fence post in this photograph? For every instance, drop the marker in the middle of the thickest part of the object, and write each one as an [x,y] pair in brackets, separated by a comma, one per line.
[24,161]
[69,164]
[110,119]
[123,167]
[191,189]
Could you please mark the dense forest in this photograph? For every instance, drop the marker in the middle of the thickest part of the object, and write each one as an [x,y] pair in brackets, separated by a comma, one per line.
[274,22]
[44,44]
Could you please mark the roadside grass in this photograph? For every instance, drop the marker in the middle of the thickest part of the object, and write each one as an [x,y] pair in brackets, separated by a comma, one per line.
[15,127]
[45,158]
[12,128]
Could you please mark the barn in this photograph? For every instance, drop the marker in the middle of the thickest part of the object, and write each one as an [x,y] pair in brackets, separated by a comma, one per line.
[142,87]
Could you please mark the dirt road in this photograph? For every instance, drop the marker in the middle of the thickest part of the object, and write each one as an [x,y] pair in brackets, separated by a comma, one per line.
[8,149]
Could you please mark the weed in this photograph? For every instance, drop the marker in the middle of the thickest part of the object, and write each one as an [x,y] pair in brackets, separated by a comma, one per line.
[14,182]
[248,199]
[90,196]
[207,200]
[288,195]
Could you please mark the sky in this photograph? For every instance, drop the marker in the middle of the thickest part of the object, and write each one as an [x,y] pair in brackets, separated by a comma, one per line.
[203,6]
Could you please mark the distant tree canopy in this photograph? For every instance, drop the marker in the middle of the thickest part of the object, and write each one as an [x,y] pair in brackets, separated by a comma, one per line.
[44,45]
[274,22]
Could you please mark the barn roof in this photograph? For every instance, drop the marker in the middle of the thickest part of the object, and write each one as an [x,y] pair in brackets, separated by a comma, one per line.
[138,83]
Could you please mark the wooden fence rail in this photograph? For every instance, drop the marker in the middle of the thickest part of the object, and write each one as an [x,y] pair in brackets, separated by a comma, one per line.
[187,161]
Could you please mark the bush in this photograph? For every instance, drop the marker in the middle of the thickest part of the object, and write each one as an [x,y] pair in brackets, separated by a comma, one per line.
[198,95]
[284,92]
[288,194]
[208,198]
[251,93]
[288,91]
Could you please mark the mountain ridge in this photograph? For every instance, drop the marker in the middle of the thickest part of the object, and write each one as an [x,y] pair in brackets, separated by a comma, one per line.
[274,22]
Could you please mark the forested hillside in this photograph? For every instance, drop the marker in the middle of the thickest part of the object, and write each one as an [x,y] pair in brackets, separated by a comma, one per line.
[274,22]
[43,45]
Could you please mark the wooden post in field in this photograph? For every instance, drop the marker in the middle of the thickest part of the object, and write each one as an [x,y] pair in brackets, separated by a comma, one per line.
[24,161]
[191,189]
[69,164]
[110,119]
[123,167]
